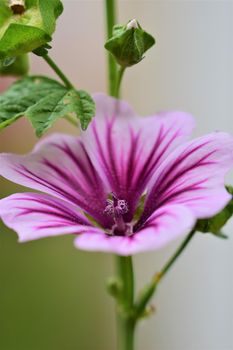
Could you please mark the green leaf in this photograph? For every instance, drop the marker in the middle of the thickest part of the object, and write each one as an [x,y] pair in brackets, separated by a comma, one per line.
[43,101]
[33,28]
[47,110]
[215,224]
[84,107]
[19,66]
[129,43]
[58,104]
[220,235]
[26,92]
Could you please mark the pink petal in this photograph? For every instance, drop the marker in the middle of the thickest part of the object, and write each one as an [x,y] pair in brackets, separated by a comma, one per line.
[193,175]
[126,149]
[60,165]
[35,216]
[163,226]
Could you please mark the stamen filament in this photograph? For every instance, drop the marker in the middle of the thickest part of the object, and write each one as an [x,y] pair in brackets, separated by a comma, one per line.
[120,224]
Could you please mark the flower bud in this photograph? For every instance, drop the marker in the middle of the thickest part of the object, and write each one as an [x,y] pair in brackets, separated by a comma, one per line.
[114,287]
[129,43]
[26,25]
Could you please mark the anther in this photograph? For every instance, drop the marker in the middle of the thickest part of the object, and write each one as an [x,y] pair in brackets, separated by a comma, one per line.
[116,208]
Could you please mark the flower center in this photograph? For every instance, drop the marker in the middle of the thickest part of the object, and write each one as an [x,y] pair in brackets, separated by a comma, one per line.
[116,208]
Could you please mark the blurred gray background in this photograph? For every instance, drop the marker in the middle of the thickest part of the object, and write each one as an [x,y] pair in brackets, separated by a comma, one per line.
[53,296]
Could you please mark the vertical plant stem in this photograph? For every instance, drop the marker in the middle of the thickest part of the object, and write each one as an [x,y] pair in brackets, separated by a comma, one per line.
[110,7]
[125,322]
[118,81]
[126,328]
[124,266]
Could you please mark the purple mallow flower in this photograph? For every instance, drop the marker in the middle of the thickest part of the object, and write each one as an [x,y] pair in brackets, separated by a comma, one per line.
[94,183]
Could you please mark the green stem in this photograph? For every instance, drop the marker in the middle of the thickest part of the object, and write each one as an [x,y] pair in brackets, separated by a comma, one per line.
[126,328]
[65,80]
[124,266]
[149,290]
[118,82]
[125,320]
[181,248]
[125,302]
[58,71]
[112,69]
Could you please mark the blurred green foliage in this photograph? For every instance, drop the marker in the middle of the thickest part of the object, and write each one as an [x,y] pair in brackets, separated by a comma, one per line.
[53,296]
[19,67]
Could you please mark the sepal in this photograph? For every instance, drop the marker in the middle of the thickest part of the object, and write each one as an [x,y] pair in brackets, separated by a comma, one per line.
[215,224]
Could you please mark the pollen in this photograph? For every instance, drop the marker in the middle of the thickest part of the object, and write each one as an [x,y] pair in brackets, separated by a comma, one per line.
[116,207]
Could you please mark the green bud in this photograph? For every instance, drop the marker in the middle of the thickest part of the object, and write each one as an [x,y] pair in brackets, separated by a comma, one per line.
[114,287]
[129,43]
[25,26]
[148,312]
